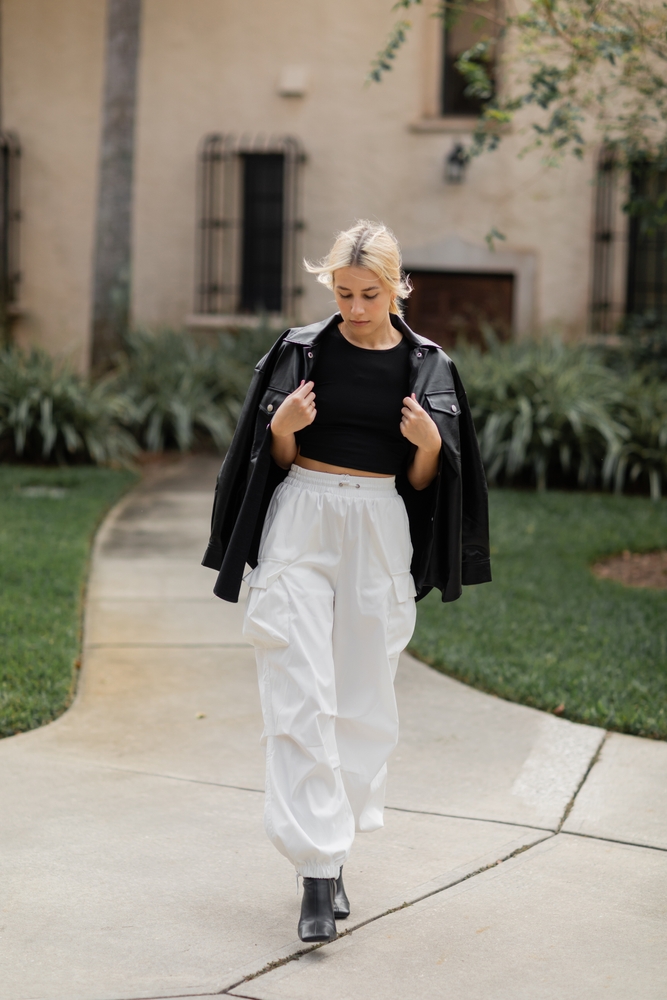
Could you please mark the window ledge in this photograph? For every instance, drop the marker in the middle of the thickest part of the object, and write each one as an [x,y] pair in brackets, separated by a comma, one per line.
[232,321]
[446,123]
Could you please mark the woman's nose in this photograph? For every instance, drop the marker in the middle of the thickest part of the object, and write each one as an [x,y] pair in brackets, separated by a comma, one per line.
[357,308]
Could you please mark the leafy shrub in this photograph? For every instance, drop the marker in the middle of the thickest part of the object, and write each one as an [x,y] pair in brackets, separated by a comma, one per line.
[48,412]
[643,347]
[642,411]
[181,392]
[543,408]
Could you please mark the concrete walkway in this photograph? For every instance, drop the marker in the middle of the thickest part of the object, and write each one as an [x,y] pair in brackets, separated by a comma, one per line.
[523,858]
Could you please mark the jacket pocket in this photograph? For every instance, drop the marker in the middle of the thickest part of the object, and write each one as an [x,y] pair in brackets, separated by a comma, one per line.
[444,402]
[268,613]
[271,400]
[444,408]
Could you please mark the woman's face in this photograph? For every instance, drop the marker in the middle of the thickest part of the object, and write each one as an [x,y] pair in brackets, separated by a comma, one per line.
[362,299]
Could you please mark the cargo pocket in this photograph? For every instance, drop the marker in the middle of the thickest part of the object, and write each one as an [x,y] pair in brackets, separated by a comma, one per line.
[267,618]
[402,613]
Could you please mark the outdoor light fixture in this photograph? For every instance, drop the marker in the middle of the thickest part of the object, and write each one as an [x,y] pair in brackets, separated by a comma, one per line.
[455,164]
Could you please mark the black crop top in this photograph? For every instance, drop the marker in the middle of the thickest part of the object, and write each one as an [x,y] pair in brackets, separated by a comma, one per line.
[358,396]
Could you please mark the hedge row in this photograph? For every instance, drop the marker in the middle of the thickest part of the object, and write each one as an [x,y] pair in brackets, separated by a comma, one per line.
[546,413]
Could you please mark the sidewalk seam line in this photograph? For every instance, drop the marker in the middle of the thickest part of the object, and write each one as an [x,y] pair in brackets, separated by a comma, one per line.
[593,761]
[474,819]
[270,966]
[171,777]
[611,840]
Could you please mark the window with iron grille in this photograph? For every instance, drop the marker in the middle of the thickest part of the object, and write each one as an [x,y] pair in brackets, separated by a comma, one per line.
[10,152]
[602,305]
[248,226]
[610,247]
[473,25]
[647,257]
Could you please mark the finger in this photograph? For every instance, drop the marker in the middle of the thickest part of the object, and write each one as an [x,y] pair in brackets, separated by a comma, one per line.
[412,403]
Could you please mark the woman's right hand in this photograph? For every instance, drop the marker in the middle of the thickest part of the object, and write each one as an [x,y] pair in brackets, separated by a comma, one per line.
[295,412]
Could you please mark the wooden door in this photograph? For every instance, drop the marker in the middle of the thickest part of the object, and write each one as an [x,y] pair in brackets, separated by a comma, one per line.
[446,306]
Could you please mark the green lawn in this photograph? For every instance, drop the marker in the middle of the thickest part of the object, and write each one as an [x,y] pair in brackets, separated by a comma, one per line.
[44,549]
[546,632]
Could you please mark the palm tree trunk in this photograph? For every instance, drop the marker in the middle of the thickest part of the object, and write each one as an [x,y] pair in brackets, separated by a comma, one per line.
[113,246]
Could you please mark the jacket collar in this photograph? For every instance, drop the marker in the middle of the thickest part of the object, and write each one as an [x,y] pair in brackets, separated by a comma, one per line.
[309,336]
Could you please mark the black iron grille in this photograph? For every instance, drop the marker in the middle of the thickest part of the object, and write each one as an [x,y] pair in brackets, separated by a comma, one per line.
[647,258]
[603,312]
[10,215]
[248,225]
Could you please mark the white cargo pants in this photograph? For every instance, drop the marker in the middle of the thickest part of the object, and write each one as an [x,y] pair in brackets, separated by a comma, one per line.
[330,608]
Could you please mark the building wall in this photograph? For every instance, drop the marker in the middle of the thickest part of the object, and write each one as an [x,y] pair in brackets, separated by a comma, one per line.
[52,58]
[213,65]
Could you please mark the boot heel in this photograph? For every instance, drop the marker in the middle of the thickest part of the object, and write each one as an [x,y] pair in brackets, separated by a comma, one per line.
[341,902]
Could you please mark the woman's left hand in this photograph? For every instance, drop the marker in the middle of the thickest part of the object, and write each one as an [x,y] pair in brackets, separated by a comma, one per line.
[417,426]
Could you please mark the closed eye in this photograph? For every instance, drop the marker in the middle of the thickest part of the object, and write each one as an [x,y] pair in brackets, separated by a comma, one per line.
[368,297]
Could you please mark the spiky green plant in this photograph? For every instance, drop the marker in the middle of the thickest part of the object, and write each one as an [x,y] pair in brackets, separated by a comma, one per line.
[179,390]
[542,406]
[49,412]
[643,412]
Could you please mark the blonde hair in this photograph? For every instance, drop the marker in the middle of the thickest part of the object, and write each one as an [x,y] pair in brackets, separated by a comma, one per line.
[371,245]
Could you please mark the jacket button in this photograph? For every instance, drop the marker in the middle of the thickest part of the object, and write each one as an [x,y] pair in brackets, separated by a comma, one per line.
[270,407]
[310,354]
[454,408]
[419,354]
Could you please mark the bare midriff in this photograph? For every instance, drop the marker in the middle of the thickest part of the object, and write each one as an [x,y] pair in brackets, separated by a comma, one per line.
[337,470]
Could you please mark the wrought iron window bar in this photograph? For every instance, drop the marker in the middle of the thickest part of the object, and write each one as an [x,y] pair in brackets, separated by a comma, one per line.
[605,310]
[10,217]
[222,227]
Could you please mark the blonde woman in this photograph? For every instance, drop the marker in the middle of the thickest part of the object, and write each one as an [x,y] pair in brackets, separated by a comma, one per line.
[353,486]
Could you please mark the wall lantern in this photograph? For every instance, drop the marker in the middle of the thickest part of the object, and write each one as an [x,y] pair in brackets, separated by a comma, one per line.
[455,164]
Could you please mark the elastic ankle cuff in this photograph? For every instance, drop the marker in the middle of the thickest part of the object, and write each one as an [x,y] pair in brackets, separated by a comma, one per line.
[318,871]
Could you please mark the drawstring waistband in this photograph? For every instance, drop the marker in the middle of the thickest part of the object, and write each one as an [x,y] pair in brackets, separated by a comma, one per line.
[330,482]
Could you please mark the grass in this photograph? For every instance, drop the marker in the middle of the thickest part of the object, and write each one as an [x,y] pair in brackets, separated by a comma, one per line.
[546,632]
[44,548]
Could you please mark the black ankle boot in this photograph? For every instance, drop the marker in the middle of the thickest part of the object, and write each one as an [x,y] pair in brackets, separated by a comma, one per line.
[341,902]
[317,910]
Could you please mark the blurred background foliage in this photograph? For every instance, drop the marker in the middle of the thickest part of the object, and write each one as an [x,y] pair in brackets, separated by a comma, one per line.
[548,413]
[166,390]
[573,415]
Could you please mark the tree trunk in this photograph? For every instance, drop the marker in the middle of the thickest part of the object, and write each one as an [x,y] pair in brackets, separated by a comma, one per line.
[113,236]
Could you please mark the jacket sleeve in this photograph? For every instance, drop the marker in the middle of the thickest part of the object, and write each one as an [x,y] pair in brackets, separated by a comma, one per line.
[232,480]
[476,562]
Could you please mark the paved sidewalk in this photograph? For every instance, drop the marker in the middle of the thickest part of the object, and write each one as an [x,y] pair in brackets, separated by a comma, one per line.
[523,857]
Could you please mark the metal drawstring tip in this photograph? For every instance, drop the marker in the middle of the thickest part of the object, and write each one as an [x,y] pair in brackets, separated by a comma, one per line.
[297,883]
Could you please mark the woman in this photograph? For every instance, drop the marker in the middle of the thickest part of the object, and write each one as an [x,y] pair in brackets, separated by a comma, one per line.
[339,413]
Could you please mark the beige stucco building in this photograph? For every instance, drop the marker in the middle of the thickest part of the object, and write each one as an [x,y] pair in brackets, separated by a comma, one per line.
[256,71]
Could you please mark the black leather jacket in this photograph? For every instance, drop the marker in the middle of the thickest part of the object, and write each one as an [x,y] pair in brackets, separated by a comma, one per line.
[449,523]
